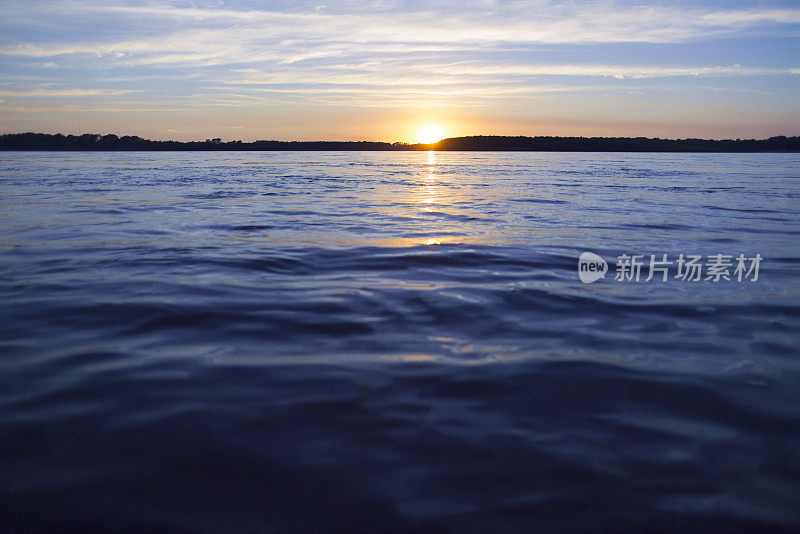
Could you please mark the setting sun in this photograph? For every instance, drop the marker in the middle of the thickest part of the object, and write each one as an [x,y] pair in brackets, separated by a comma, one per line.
[430,133]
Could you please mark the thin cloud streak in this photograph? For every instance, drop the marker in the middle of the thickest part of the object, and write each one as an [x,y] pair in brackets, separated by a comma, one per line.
[65,92]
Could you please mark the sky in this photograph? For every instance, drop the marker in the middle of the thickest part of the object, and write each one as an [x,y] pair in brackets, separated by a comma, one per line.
[384,70]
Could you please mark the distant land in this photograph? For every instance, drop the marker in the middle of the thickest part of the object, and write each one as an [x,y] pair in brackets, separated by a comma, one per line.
[111,142]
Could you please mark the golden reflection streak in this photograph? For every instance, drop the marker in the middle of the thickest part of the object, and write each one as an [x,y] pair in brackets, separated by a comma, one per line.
[430,190]
[430,181]
[427,195]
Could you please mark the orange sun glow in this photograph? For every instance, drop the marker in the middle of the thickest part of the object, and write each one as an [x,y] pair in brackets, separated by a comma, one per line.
[430,133]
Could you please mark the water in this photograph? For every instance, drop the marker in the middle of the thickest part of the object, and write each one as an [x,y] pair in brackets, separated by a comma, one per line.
[214,342]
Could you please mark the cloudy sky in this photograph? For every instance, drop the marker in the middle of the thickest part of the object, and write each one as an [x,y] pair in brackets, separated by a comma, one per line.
[246,69]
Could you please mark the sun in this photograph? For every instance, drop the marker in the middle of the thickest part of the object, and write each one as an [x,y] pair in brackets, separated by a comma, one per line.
[430,133]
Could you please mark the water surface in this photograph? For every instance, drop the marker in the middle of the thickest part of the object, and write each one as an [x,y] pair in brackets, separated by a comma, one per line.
[337,341]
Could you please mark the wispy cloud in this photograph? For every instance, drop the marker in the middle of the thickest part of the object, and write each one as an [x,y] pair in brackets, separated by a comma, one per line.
[294,35]
[65,92]
[615,71]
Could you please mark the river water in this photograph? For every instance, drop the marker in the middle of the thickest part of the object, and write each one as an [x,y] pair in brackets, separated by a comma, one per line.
[350,341]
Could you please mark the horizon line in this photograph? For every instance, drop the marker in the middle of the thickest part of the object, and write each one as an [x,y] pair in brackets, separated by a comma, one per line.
[218,140]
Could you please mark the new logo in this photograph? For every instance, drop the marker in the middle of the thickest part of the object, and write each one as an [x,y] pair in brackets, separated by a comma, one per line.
[591,267]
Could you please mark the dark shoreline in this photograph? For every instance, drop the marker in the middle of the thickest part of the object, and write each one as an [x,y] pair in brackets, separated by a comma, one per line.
[111,142]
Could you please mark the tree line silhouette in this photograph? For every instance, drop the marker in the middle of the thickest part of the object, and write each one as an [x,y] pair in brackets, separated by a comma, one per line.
[111,142]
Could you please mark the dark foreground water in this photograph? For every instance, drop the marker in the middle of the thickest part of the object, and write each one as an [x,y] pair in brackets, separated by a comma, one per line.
[257,342]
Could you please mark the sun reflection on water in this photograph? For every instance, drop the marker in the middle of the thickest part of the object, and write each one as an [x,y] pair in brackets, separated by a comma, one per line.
[430,191]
